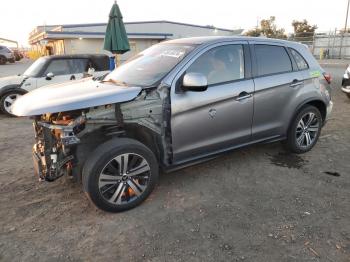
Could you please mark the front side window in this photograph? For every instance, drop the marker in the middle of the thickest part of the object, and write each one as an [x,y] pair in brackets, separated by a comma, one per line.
[220,64]
[150,66]
[59,67]
[272,59]
[301,63]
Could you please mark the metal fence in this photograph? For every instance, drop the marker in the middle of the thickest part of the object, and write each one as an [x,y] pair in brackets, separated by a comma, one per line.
[334,44]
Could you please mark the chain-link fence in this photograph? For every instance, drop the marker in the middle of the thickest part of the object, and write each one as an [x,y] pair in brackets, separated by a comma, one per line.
[334,44]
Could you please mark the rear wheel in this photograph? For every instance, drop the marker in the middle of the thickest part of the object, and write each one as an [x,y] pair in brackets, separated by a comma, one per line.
[305,130]
[7,100]
[120,174]
[348,95]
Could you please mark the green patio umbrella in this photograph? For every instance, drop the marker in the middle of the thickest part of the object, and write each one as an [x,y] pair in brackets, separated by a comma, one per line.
[116,41]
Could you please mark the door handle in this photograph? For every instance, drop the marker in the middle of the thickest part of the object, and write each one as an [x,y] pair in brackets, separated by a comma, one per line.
[296,83]
[243,95]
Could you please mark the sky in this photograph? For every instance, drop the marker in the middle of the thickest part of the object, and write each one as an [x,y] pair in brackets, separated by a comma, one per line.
[19,17]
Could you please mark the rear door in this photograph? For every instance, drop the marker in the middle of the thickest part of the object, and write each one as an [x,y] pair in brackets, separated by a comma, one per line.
[276,85]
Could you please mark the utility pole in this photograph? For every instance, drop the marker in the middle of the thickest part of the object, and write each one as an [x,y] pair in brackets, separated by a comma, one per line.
[345,27]
[346,18]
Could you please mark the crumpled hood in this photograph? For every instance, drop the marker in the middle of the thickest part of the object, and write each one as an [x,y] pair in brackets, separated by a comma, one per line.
[11,80]
[69,96]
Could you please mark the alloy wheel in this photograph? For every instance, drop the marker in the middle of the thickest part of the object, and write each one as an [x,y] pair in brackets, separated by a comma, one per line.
[307,130]
[124,178]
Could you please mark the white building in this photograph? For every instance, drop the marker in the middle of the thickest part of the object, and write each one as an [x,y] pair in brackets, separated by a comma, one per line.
[88,38]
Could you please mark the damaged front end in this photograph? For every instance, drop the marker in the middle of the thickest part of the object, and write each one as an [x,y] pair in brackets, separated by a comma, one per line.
[56,141]
[65,140]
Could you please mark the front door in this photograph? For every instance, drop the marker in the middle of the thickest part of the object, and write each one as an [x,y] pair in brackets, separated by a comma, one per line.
[219,118]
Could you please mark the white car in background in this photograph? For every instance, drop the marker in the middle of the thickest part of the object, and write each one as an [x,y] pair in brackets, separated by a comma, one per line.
[50,70]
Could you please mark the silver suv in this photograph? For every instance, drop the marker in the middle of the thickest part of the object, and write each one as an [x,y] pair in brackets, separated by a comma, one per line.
[6,55]
[175,104]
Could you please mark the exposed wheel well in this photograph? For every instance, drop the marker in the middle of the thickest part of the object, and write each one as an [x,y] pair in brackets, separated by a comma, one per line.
[146,137]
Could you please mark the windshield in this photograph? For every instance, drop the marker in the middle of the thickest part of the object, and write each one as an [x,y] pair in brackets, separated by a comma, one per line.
[35,68]
[150,66]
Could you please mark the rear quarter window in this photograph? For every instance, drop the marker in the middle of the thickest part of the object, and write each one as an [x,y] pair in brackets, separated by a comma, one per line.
[272,59]
[299,59]
[100,63]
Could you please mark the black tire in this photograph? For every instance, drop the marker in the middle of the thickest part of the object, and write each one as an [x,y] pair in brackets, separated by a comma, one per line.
[101,158]
[7,94]
[294,130]
[348,95]
[2,60]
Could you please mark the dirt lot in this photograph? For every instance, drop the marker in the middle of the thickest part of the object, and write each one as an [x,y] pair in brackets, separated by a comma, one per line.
[254,204]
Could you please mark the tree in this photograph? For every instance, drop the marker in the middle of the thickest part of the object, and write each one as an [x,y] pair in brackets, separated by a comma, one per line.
[302,29]
[269,29]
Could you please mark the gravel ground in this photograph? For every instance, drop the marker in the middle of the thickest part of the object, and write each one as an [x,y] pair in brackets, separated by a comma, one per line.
[254,204]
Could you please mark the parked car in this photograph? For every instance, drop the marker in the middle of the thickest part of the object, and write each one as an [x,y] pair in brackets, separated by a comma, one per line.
[18,54]
[49,70]
[6,55]
[346,82]
[175,104]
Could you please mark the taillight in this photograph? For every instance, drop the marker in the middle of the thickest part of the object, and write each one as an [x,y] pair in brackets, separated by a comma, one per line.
[328,77]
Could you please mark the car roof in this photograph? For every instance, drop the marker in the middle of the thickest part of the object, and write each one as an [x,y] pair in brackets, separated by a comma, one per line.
[218,39]
[76,56]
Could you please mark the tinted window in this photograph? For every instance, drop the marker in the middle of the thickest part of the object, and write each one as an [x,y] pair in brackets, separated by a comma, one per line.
[58,67]
[100,63]
[220,64]
[67,66]
[78,65]
[301,63]
[272,59]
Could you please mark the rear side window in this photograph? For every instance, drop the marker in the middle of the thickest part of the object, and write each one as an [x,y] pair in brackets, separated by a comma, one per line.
[100,63]
[301,62]
[272,59]
[78,65]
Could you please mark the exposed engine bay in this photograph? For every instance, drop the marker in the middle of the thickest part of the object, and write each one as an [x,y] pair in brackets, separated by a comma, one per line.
[64,140]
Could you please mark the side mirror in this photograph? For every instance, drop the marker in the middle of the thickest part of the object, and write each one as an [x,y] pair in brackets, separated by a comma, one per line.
[196,82]
[49,76]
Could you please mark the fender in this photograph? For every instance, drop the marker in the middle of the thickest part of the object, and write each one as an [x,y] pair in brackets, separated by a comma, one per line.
[307,101]
[7,88]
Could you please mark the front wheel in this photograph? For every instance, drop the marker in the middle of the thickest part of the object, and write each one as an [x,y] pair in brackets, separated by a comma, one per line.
[120,174]
[3,60]
[304,130]
[7,100]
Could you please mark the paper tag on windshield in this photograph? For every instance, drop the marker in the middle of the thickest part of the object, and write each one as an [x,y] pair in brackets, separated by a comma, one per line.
[172,53]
